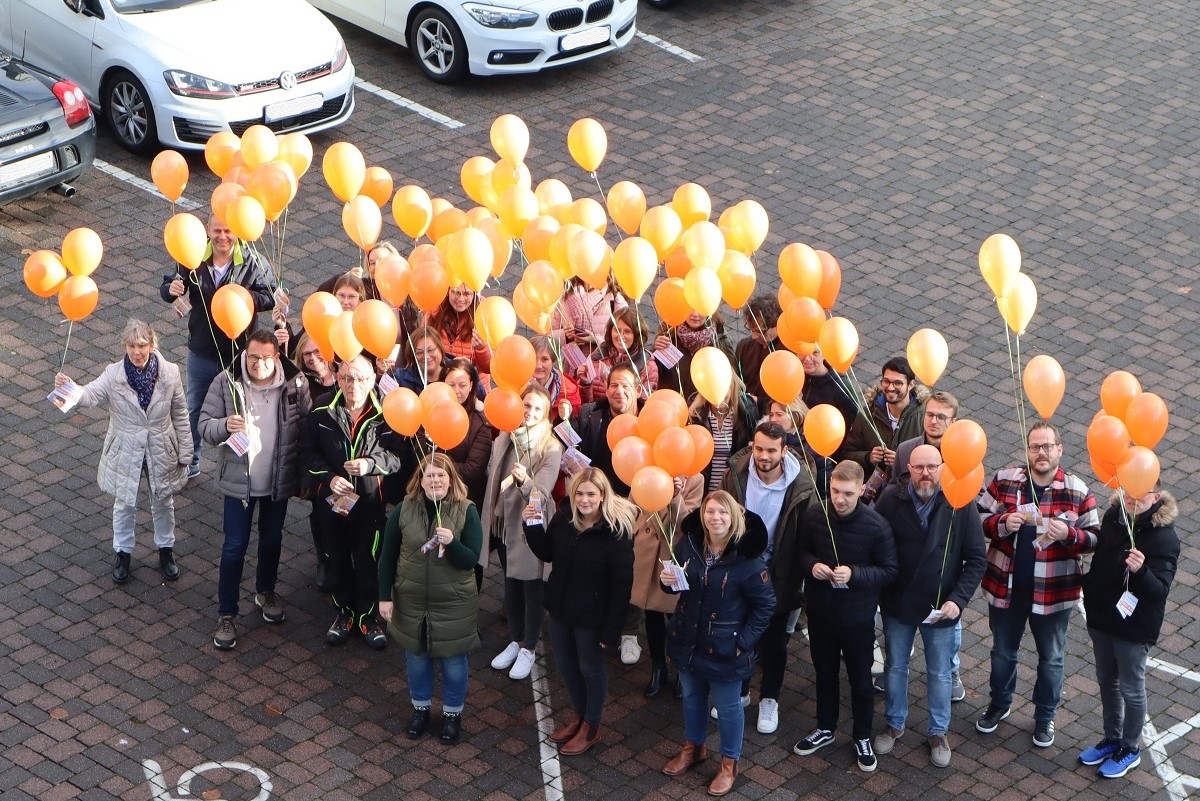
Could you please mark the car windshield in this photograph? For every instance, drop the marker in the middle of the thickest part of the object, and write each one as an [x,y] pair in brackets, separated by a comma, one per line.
[146,6]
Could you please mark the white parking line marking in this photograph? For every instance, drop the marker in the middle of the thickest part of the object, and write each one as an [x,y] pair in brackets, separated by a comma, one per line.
[183,204]
[670,48]
[1174,670]
[551,769]
[404,102]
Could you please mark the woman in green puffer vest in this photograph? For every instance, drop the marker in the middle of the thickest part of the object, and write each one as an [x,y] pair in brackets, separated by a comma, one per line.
[427,589]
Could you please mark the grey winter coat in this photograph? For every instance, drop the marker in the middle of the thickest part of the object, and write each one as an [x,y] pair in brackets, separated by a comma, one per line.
[509,504]
[160,436]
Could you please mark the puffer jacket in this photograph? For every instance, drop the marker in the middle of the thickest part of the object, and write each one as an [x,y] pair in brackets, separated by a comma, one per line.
[864,543]
[1154,535]
[159,436]
[726,608]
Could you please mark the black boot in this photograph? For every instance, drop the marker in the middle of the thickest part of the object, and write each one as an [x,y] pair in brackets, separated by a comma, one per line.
[166,562]
[658,677]
[417,723]
[322,582]
[451,728]
[120,573]
[678,688]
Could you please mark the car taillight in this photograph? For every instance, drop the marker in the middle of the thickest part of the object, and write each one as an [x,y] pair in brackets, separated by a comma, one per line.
[75,105]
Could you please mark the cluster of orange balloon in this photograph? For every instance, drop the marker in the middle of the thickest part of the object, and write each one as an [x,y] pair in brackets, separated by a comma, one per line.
[260,173]
[436,410]
[1016,296]
[513,363]
[656,445]
[373,327]
[363,190]
[1123,434]
[963,447]
[68,276]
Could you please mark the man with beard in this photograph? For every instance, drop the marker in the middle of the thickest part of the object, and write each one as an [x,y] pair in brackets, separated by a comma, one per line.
[1039,520]
[941,557]
[895,409]
[941,410]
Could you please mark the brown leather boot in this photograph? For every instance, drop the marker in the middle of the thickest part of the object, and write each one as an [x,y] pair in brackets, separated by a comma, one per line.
[587,736]
[722,783]
[689,755]
[564,733]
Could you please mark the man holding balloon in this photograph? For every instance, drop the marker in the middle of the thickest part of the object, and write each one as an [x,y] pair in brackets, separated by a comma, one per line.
[210,350]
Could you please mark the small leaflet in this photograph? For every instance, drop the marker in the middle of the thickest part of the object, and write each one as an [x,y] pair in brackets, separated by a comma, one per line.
[239,443]
[342,504]
[66,397]
[669,356]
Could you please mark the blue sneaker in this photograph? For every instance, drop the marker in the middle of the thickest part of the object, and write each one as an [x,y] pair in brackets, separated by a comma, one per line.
[1099,753]
[1120,763]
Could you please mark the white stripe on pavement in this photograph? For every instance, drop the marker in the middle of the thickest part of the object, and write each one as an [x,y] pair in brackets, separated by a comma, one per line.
[183,204]
[670,48]
[1174,670]
[404,102]
[551,769]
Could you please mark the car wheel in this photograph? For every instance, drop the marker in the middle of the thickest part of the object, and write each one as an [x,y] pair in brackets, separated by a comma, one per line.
[437,44]
[660,3]
[129,113]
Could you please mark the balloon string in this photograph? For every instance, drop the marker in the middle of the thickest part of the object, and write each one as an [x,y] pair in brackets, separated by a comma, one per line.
[945,556]
[195,279]
[822,501]
[1125,516]
[860,403]
[67,346]
[1018,398]
[668,536]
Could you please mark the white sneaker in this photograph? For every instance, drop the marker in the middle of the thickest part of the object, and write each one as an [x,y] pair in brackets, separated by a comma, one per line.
[524,664]
[631,652]
[504,660]
[712,713]
[877,659]
[768,716]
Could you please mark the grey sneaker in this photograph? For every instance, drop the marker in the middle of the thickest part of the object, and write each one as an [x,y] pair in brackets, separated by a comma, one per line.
[989,721]
[885,741]
[939,751]
[272,608]
[957,690]
[226,637]
[1043,733]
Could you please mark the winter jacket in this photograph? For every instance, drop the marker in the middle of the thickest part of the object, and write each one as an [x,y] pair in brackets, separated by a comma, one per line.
[593,573]
[233,471]
[330,439]
[726,608]
[1104,583]
[510,503]
[947,565]
[1058,568]
[650,547]
[820,389]
[860,439]
[787,577]
[248,269]
[159,436]
[436,604]
[747,361]
[864,543]
[592,427]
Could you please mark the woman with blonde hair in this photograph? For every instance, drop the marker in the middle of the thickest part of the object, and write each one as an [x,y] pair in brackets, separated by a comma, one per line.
[588,542]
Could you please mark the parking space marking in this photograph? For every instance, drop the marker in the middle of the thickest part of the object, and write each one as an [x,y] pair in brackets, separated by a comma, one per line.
[183,204]
[670,48]
[404,102]
[551,768]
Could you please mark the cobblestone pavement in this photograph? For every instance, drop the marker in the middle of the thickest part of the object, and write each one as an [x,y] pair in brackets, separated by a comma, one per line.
[897,135]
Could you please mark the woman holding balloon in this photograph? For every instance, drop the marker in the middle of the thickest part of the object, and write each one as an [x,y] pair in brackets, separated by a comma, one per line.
[455,321]
[731,424]
[625,343]
[688,337]
[426,357]
[563,391]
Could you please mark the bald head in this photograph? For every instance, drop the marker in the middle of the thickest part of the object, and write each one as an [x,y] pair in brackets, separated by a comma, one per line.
[925,470]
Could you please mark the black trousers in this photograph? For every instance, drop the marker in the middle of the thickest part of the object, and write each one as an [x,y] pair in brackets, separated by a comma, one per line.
[772,656]
[352,543]
[832,643]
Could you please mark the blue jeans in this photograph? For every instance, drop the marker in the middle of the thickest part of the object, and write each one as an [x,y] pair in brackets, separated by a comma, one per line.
[238,519]
[420,680]
[731,718]
[201,370]
[1050,638]
[1121,674]
[939,653]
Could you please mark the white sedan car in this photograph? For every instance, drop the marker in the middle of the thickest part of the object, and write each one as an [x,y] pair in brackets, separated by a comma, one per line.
[177,71]
[450,38]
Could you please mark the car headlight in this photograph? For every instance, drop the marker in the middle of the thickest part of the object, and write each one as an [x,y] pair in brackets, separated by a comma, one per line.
[340,57]
[500,17]
[189,84]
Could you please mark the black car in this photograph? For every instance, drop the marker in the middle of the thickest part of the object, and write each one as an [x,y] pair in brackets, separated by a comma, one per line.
[47,132]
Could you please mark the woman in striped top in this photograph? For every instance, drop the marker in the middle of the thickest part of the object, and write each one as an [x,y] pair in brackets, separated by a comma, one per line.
[732,425]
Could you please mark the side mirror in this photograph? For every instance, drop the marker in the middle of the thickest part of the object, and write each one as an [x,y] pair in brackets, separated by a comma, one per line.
[76,6]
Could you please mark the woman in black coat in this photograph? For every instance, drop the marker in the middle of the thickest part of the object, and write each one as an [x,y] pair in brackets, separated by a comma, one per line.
[720,618]
[590,543]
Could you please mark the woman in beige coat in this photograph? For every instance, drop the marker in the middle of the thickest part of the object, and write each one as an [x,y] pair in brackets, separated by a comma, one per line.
[523,462]
[148,433]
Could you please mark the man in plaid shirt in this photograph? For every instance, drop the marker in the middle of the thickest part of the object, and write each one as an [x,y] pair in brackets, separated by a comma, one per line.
[1038,521]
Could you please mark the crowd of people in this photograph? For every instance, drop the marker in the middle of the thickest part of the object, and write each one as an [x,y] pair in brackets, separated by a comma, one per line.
[716,583]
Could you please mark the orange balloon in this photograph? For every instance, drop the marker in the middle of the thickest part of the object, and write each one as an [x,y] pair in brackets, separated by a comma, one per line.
[552,195]
[232,309]
[670,302]
[674,400]
[259,146]
[297,151]
[705,447]
[246,217]
[377,185]
[402,411]
[186,239]
[627,205]
[839,343]
[502,243]
[82,251]
[413,210]
[436,393]
[471,257]
[238,173]
[560,246]
[376,326]
[738,278]
[1107,473]
[629,456]
[805,318]
[317,315]
[447,222]
[536,241]
[704,244]
[475,173]
[652,489]
[495,320]
[655,418]
[635,264]
[1018,303]
[1138,471]
[220,150]
[1118,389]
[447,425]
[963,446]
[712,374]
[1107,439]
[663,229]
[749,225]
[78,296]
[44,273]
[588,144]
[392,275]
[927,355]
[508,173]
[831,280]
[271,185]
[702,290]
[800,269]
[428,284]
[513,362]
[169,171]
[782,376]
[963,491]
[677,264]
[589,257]
[533,316]
[1146,418]
[504,409]
[824,429]
[222,196]
[693,205]
[510,137]
[1045,384]
[790,339]
[543,286]
[999,262]
[362,221]
[345,169]
[423,253]
[341,336]
[674,451]
[518,206]
[588,213]
[622,426]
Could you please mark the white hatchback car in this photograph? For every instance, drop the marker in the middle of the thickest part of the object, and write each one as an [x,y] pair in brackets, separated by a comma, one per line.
[177,71]
[450,38]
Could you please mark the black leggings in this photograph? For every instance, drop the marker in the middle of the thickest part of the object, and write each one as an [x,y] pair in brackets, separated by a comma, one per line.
[580,661]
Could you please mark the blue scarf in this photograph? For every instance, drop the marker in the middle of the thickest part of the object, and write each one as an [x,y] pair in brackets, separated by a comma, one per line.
[142,381]
[922,508]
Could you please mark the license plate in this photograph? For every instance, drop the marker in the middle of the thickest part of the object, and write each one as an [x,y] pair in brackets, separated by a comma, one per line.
[28,169]
[592,36]
[291,108]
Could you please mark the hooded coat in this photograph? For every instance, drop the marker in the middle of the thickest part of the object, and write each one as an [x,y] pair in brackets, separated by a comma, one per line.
[860,440]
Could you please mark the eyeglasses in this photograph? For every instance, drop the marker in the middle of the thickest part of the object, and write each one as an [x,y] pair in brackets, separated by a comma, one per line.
[923,468]
[358,379]
[259,359]
[889,383]
[941,418]
[313,352]
[461,293]
[1047,448]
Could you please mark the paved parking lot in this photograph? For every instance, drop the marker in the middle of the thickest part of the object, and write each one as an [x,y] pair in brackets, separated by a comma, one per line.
[896,135]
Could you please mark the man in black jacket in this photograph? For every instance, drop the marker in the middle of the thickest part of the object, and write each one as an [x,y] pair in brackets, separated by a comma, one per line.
[850,555]
[941,555]
[621,396]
